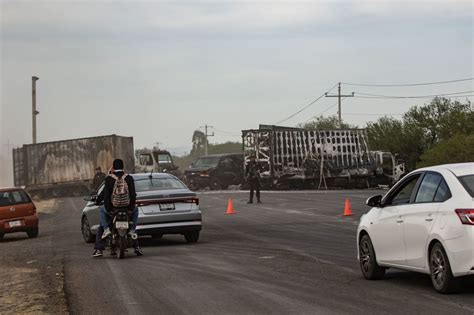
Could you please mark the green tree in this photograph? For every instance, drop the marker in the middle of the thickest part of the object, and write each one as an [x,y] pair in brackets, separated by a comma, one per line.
[440,120]
[421,128]
[459,148]
[227,147]
[325,123]
[389,134]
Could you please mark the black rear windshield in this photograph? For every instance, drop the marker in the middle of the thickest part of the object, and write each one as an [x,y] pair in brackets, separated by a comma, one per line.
[147,184]
[468,183]
[210,161]
[8,198]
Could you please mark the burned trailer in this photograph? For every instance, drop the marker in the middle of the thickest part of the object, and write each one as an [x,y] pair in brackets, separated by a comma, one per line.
[299,158]
[65,168]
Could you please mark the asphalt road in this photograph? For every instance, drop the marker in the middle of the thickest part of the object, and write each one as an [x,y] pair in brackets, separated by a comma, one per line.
[294,253]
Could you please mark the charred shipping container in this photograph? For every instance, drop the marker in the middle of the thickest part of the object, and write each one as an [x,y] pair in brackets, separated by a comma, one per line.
[298,158]
[67,167]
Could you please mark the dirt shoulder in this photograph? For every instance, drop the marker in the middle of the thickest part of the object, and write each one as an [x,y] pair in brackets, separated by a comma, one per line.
[32,274]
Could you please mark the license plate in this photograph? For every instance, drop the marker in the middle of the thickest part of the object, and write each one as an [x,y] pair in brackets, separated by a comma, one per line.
[14,223]
[121,225]
[167,206]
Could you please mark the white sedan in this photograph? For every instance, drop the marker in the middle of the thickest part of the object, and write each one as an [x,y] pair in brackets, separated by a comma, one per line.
[425,223]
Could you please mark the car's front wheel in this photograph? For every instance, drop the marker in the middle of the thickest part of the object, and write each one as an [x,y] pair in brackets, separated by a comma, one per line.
[368,263]
[86,231]
[440,271]
[191,237]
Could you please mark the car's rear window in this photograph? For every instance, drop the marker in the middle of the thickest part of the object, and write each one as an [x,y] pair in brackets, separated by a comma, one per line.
[158,184]
[468,183]
[8,198]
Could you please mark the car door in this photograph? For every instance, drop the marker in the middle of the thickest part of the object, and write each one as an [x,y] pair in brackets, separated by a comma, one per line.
[92,209]
[387,227]
[419,218]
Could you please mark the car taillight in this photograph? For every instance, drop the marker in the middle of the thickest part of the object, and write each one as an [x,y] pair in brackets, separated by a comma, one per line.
[466,216]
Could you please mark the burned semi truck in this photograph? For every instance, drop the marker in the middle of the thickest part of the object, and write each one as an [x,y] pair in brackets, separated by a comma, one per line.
[299,158]
[67,167]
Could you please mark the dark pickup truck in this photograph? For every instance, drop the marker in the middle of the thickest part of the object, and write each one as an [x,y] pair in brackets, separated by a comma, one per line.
[216,171]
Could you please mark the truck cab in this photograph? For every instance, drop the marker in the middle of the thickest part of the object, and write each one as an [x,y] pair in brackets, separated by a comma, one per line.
[155,160]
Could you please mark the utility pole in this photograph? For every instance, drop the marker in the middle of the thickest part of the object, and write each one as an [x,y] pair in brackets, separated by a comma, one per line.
[207,135]
[35,112]
[339,96]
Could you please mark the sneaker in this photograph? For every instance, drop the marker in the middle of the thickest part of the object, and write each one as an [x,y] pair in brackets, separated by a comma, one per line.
[106,233]
[250,201]
[97,253]
[258,201]
[138,251]
[113,253]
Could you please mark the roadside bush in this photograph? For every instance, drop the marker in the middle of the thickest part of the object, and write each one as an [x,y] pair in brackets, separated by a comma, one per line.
[459,148]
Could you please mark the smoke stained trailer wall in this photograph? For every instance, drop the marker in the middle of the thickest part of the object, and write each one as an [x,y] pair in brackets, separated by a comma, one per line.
[63,166]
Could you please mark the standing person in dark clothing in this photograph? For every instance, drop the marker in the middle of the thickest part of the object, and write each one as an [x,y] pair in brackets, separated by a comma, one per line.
[252,173]
[99,178]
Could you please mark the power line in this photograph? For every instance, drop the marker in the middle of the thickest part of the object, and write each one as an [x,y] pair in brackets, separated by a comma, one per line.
[372,114]
[321,112]
[408,84]
[368,95]
[306,106]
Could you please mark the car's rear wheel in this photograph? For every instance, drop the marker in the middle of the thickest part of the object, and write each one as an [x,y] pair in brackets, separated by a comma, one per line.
[1,235]
[191,237]
[368,263]
[32,233]
[440,271]
[86,231]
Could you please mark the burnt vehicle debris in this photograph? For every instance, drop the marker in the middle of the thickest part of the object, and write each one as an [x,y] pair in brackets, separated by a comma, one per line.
[215,172]
[299,158]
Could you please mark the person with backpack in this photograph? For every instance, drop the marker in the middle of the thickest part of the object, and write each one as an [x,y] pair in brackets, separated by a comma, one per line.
[119,192]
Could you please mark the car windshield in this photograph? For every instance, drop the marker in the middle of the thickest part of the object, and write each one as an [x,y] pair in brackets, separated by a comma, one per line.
[468,183]
[8,198]
[164,158]
[207,161]
[148,184]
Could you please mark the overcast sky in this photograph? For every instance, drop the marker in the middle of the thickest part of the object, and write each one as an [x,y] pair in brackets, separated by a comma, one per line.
[158,70]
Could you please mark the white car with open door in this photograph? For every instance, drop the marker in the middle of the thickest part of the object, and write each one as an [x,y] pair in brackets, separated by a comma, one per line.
[425,223]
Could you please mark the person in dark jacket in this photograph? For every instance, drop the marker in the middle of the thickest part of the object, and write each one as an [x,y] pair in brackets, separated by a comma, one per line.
[108,208]
[252,173]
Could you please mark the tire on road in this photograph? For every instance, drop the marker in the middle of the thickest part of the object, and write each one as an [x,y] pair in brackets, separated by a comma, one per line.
[86,231]
[122,247]
[191,237]
[367,260]
[440,271]
[32,233]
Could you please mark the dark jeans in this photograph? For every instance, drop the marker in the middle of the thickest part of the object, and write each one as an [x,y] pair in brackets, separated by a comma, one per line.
[254,186]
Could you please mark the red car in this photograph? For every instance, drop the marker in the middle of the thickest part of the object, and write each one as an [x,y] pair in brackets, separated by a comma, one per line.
[17,212]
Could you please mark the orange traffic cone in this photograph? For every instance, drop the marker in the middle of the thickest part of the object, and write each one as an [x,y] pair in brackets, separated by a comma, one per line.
[347,208]
[230,207]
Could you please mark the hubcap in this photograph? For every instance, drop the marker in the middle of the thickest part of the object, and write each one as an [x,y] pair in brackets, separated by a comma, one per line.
[364,254]
[438,268]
